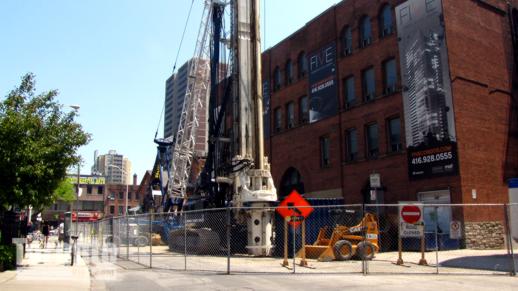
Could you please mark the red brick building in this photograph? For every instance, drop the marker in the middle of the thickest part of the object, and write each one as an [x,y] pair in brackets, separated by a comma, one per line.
[115,198]
[320,157]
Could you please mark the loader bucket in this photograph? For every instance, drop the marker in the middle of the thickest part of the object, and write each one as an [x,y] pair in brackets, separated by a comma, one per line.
[322,253]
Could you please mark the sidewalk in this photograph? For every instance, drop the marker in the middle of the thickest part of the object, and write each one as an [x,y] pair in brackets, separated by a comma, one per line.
[47,269]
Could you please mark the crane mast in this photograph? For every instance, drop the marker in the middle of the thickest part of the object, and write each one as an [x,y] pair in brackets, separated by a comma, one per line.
[195,100]
[252,186]
[239,177]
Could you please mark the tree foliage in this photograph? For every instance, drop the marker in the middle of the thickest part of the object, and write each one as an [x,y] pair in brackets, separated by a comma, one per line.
[65,191]
[38,142]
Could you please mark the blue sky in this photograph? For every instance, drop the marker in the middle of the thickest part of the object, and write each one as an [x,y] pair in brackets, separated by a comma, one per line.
[112,58]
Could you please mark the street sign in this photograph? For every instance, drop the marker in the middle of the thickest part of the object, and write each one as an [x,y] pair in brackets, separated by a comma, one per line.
[411,214]
[455,230]
[411,230]
[375,180]
[411,219]
[294,205]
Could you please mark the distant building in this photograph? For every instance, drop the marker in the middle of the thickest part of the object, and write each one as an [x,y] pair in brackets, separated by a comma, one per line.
[115,167]
[89,205]
[115,199]
[175,92]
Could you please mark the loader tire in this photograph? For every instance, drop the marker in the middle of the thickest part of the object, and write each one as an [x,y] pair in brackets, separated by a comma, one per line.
[141,241]
[343,250]
[366,250]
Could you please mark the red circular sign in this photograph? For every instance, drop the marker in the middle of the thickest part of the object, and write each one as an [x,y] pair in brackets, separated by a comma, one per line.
[410,214]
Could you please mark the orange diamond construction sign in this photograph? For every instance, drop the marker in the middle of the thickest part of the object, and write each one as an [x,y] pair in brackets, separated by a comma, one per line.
[293,207]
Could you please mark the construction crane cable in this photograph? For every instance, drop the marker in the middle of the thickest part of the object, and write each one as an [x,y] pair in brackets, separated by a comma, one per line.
[175,62]
[183,35]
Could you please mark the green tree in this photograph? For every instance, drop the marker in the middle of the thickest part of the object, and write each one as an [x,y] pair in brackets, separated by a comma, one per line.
[38,142]
[65,191]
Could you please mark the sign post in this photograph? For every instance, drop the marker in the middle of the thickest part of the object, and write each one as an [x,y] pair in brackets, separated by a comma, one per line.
[285,262]
[411,225]
[294,209]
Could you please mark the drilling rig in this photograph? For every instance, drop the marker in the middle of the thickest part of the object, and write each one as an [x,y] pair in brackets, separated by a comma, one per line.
[236,173]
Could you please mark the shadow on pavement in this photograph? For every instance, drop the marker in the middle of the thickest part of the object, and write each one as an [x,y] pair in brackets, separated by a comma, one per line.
[499,263]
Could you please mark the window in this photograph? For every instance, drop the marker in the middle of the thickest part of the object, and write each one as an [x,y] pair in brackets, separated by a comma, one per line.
[112,196]
[129,195]
[289,72]
[394,129]
[100,190]
[304,109]
[137,195]
[112,209]
[277,122]
[290,115]
[121,210]
[302,65]
[349,95]
[121,195]
[372,141]
[389,76]
[368,84]
[385,21]
[347,41]
[324,152]
[88,189]
[276,79]
[365,31]
[351,141]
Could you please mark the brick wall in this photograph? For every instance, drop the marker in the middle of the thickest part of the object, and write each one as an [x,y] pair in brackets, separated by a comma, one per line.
[480,56]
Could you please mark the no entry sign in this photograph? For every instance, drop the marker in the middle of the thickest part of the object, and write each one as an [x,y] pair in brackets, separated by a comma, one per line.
[411,219]
[411,213]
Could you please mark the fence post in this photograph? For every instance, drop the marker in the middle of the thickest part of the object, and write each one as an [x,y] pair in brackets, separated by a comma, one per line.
[364,213]
[509,239]
[185,240]
[127,237]
[294,248]
[150,239]
[436,241]
[228,238]
[118,237]
[137,239]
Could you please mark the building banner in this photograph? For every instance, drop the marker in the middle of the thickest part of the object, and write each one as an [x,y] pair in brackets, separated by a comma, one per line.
[429,119]
[322,83]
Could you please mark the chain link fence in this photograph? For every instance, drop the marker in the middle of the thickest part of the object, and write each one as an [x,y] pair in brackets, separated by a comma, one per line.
[368,239]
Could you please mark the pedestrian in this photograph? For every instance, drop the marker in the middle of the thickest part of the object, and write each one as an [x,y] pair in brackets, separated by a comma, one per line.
[61,233]
[45,232]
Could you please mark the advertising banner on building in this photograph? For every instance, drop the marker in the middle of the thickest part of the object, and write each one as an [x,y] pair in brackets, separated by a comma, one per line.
[87,180]
[429,119]
[322,83]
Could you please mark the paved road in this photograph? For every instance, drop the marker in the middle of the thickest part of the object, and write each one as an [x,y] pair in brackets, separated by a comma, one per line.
[126,276]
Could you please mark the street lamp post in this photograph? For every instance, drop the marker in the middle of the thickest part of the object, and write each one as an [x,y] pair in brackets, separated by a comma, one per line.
[74,246]
[126,198]
[76,110]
